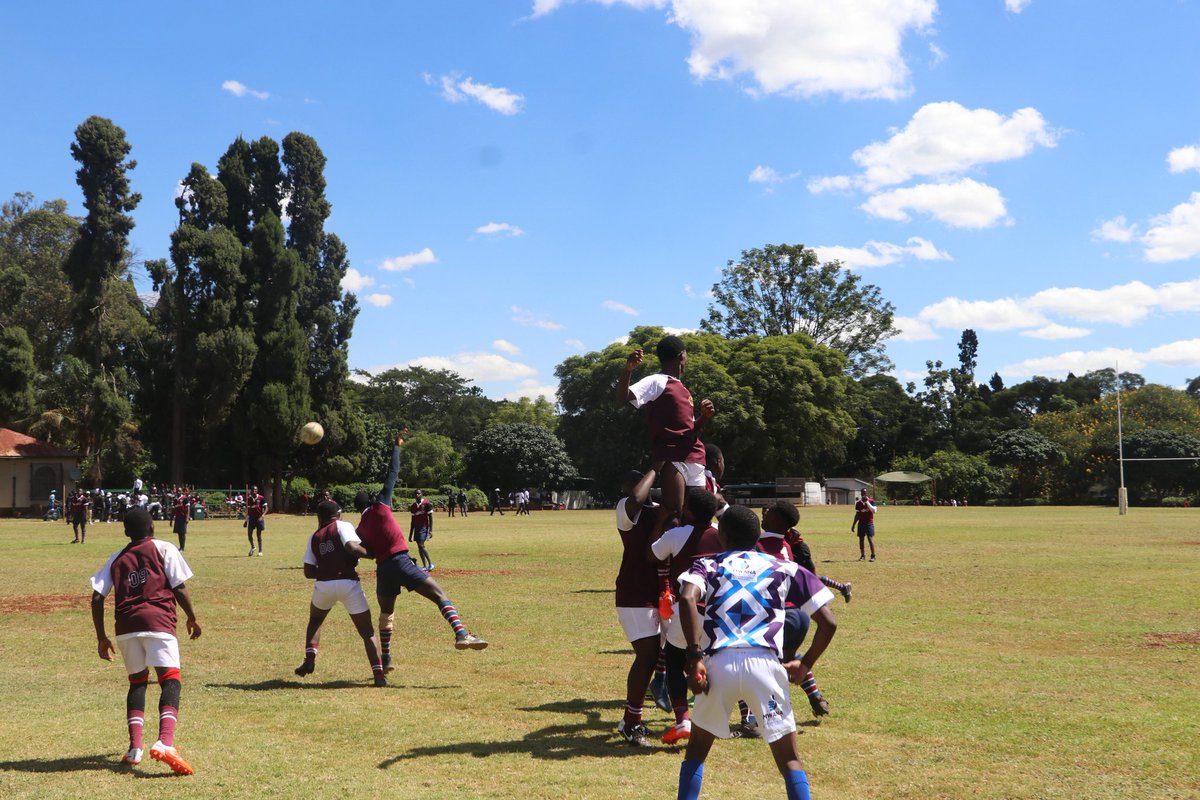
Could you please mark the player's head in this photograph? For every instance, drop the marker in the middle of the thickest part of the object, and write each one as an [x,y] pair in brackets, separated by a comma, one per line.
[738,528]
[362,500]
[699,506]
[714,459]
[419,494]
[327,512]
[138,524]
[780,516]
[670,349]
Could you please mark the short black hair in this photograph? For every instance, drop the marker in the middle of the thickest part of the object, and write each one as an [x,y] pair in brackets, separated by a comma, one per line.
[327,510]
[669,348]
[712,452]
[701,504]
[362,500]
[739,525]
[787,510]
[138,524]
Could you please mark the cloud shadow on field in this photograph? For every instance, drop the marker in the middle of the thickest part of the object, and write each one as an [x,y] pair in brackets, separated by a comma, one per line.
[101,763]
[590,736]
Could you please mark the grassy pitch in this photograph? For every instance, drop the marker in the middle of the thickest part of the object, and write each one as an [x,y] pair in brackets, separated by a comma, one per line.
[989,653]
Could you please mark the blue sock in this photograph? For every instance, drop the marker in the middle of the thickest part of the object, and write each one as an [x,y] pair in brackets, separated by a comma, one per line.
[691,776]
[797,785]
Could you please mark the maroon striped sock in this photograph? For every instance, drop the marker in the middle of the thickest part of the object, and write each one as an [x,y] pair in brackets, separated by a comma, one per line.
[137,721]
[168,716]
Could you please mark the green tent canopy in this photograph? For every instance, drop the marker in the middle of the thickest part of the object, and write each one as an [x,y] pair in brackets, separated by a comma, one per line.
[903,477]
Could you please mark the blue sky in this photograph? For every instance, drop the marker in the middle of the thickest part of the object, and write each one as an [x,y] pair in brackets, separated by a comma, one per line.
[520,180]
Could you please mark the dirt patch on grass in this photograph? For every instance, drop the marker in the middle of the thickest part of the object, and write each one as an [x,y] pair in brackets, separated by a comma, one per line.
[1186,638]
[1197,544]
[470,573]
[44,603]
[511,555]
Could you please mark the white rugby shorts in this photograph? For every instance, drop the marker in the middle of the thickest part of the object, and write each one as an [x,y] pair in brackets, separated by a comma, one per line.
[692,472]
[639,623]
[148,649]
[348,592]
[752,674]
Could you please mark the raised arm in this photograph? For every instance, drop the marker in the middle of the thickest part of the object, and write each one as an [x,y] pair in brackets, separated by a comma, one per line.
[622,393]
[641,492]
[389,483]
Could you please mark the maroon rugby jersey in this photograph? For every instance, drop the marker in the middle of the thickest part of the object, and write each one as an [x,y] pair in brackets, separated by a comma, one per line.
[254,506]
[420,514]
[181,506]
[141,577]
[672,420]
[380,533]
[637,579]
[329,554]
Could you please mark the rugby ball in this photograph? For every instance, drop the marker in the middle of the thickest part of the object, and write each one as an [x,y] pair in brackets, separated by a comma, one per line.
[311,433]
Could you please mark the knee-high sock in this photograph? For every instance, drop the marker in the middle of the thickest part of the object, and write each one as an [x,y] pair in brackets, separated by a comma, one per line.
[168,707]
[691,778]
[135,710]
[451,615]
[797,785]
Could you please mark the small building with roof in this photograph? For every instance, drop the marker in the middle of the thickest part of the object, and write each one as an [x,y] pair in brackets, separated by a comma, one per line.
[30,469]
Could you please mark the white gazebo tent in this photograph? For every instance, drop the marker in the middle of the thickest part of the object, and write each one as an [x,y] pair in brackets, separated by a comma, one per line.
[902,476]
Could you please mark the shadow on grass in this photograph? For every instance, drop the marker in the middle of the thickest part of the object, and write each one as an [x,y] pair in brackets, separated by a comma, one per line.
[101,763]
[589,737]
[283,683]
[594,591]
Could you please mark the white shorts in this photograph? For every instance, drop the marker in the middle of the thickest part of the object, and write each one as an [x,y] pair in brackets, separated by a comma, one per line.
[639,623]
[751,674]
[673,629]
[350,593]
[148,649]
[692,472]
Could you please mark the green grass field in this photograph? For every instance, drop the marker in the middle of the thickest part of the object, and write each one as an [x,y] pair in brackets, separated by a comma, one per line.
[990,653]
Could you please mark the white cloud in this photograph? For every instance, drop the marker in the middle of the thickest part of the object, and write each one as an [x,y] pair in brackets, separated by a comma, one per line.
[1056,331]
[575,344]
[947,139]
[880,254]
[523,317]
[1124,304]
[1117,229]
[354,281]
[964,204]
[472,366]
[533,389]
[403,263]
[505,346]
[1185,353]
[913,330]
[239,89]
[1182,159]
[852,48]
[613,305]
[379,300]
[761,174]
[672,331]
[1174,236]
[1016,6]
[989,315]
[1076,361]
[836,183]
[499,228]
[458,89]
[692,294]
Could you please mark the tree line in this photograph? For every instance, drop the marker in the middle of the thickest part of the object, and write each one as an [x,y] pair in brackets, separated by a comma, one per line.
[247,333]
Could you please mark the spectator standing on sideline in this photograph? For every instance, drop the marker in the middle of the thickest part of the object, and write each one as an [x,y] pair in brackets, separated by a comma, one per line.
[864,518]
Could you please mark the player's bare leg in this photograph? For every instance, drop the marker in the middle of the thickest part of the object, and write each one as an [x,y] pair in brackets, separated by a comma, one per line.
[362,621]
[645,656]
[312,639]
[787,759]
[691,771]
[387,617]
[463,639]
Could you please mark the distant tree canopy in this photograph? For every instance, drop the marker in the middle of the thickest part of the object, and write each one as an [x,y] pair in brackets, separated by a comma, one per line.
[518,455]
[780,289]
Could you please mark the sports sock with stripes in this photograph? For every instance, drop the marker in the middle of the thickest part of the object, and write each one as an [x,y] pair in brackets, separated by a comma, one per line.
[451,615]
[168,706]
[633,716]
[809,685]
[135,709]
[837,586]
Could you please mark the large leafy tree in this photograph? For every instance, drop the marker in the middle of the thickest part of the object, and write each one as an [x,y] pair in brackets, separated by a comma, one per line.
[430,460]
[1030,455]
[518,455]
[888,422]
[108,318]
[782,289]
[1158,479]
[535,412]
[436,400]
[17,375]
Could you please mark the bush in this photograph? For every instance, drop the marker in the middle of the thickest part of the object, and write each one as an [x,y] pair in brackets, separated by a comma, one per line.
[476,500]
[1176,502]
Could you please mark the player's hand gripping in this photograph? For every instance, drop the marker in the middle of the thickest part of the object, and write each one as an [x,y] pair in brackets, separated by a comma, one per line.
[105,649]
[697,677]
[797,670]
[707,410]
[193,629]
[634,359]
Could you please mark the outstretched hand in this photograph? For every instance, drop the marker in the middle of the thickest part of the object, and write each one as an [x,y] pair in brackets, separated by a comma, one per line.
[634,359]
